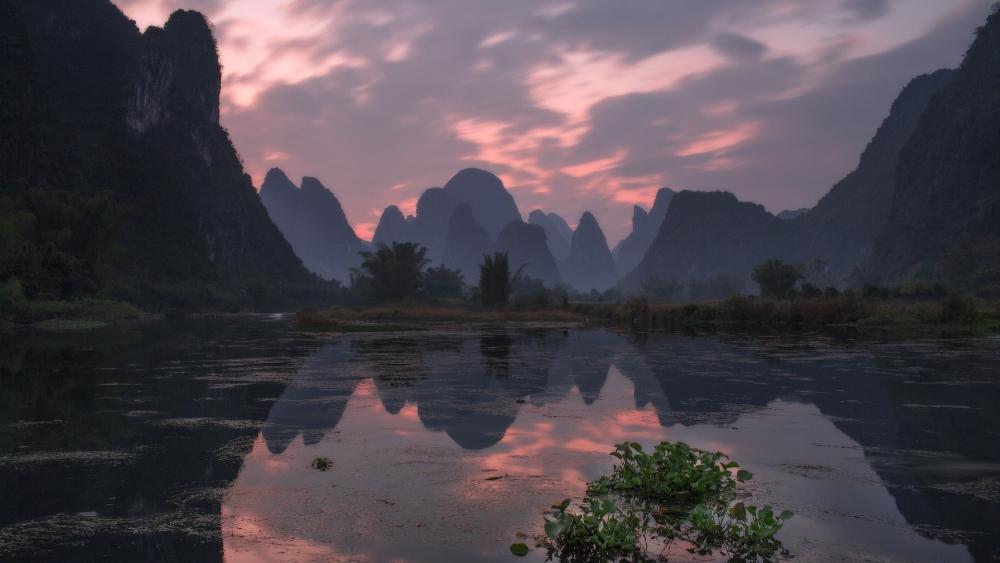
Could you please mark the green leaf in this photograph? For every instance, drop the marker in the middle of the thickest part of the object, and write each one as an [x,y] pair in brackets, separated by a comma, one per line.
[519,549]
[738,511]
[744,475]
[787,514]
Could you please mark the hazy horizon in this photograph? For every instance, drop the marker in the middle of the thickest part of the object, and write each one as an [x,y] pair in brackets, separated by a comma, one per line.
[577,106]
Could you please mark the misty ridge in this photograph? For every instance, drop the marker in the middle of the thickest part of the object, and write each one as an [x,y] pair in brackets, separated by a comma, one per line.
[121,185]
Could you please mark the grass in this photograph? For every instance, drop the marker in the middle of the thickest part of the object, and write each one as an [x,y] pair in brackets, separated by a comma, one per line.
[84,314]
[954,316]
[58,325]
[414,316]
[945,317]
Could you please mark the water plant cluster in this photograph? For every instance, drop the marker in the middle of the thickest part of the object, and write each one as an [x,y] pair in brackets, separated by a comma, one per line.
[675,493]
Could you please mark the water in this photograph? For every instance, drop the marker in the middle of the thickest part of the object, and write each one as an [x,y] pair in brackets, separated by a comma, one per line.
[192,441]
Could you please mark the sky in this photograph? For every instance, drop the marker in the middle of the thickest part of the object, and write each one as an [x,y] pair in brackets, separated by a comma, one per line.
[576,105]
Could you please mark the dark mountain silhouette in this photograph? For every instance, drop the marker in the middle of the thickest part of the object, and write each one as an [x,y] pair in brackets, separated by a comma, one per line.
[434,209]
[718,234]
[465,244]
[645,226]
[711,233]
[789,214]
[946,203]
[392,227]
[557,241]
[119,130]
[491,203]
[491,206]
[589,264]
[313,221]
[561,225]
[841,229]
[526,246]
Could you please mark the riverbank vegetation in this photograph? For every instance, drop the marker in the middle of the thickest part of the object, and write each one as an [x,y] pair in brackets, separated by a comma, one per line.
[392,290]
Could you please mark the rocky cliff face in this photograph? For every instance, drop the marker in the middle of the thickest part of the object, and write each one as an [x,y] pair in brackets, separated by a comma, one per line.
[526,246]
[313,221]
[709,233]
[557,241]
[136,115]
[589,265]
[465,244]
[840,230]
[946,202]
[630,251]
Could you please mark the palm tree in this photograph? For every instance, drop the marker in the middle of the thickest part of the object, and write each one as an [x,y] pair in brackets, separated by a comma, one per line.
[496,281]
[392,273]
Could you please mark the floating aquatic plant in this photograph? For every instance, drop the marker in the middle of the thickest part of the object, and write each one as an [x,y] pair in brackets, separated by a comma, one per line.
[674,493]
[322,463]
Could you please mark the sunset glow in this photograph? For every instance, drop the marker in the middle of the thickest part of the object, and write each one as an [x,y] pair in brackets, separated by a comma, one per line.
[577,105]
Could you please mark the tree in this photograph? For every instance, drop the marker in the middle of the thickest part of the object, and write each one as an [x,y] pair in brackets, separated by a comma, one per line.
[777,279]
[392,273]
[496,280]
[442,283]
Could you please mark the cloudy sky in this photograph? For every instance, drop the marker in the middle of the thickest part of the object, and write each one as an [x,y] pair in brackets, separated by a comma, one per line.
[576,104]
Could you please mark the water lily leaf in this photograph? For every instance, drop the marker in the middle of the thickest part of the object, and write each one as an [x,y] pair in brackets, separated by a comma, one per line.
[519,549]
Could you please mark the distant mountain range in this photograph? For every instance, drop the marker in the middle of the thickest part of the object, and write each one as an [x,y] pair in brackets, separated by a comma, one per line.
[120,182]
[923,203]
[557,232]
[589,266]
[313,221]
[645,226]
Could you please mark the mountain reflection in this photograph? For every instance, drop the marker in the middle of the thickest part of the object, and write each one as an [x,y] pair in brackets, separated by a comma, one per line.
[134,443]
[473,388]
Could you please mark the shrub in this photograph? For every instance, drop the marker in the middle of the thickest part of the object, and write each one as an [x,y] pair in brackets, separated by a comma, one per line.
[442,283]
[776,278]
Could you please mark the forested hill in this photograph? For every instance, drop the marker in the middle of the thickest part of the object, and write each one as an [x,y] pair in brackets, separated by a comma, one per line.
[117,179]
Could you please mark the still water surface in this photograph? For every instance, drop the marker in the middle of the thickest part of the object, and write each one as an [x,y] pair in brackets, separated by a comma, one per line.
[192,441]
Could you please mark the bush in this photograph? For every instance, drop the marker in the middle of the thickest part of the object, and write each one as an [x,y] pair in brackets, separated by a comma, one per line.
[777,279]
[810,291]
[442,283]
[957,309]
[12,299]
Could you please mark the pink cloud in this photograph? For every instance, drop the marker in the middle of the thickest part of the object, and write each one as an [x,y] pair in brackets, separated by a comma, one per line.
[381,99]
